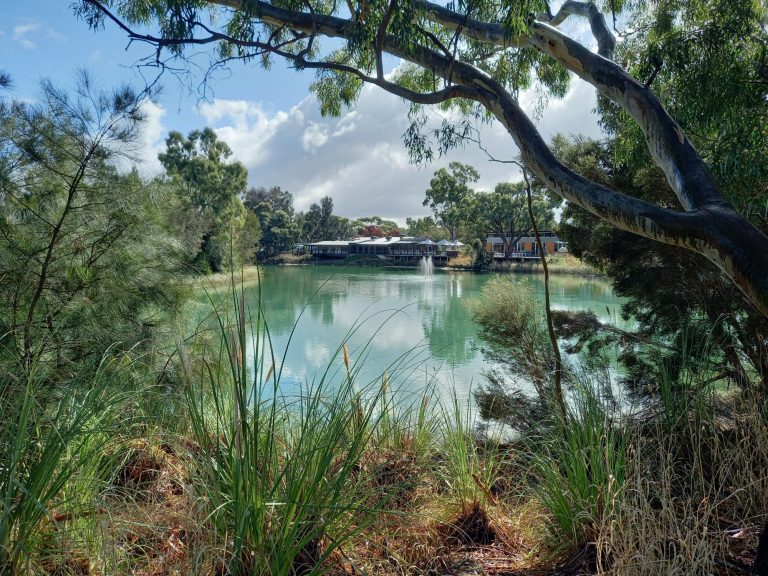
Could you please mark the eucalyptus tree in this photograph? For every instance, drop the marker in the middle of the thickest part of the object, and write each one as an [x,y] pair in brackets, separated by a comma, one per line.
[210,186]
[275,197]
[478,55]
[448,193]
[675,296]
[279,230]
[504,213]
[425,226]
[320,223]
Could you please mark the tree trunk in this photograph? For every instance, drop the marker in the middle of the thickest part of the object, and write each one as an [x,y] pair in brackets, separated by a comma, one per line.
[558,376]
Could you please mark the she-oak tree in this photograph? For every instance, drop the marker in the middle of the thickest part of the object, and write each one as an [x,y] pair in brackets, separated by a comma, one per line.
[476,54]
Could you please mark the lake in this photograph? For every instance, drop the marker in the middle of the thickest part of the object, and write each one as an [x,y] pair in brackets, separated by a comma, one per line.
[417,329]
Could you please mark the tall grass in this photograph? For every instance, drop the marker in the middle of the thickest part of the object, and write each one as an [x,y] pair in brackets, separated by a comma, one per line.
[471,464]
[696,485]
[45,437]
[581,469]
[280,475]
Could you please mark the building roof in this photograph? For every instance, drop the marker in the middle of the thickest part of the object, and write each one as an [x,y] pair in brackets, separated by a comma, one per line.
[368,241]
[387,240]
[330,243]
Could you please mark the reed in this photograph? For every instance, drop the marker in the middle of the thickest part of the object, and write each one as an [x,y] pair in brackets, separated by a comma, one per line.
[581,468]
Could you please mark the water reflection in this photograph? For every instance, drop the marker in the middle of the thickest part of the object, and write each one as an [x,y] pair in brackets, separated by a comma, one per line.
[415,328]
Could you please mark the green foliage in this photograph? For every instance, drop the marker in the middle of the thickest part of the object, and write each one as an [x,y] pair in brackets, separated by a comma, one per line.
[275,197]
[504,213]
[87,257]
[472,465]
[668,291]
[446,192]
[320,223]
[209,187]
[425,226]
[279,474]
[45,438]
[581,469]
[721,45]
[273,209]
[512,324]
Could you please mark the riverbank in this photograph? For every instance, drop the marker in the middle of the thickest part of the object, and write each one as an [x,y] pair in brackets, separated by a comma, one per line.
[211,460]
[557,264]
[343,481]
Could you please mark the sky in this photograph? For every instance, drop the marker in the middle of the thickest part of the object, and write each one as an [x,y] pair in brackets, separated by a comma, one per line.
[269,118]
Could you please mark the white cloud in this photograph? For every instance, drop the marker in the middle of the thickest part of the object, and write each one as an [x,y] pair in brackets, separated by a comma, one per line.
[249,128]
[21,33]
[151,141]
[51,34]
[28,32]
[359,159]
[314,136]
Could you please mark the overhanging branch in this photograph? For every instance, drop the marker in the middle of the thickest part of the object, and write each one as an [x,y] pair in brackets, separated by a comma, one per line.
[606,43]
[709,225]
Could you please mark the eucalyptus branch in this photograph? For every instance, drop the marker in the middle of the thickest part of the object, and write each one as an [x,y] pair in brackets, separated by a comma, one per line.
[606,43]
[708,224]
[559,400]
[380,34]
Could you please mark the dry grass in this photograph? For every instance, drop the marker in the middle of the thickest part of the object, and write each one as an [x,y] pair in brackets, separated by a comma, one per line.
[151,523]
[245,275]
[462,261]
[558,264]
[694,500]
[288,258]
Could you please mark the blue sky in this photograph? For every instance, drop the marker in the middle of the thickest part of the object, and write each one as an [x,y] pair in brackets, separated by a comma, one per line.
[43,38]
[268,118]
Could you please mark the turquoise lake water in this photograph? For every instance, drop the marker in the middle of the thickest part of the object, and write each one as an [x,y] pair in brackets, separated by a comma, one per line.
[414,328]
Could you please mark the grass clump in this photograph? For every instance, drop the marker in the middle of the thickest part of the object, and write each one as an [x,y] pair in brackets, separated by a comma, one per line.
[279,475]
[47,437]
[581,466]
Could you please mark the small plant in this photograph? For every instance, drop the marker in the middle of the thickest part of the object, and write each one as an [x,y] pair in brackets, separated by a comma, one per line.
[44,438]
[471,463]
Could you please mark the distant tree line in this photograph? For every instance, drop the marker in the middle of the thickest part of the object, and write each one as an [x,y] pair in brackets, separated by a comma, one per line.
[222,224]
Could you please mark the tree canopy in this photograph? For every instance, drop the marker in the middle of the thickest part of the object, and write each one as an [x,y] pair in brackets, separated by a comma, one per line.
[478,56]
[80,241]
[218,231]
[320,223]
[275,197]
[504,213]
[447,193]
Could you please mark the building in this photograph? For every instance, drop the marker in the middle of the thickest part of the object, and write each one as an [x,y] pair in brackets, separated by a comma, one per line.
[525,246]
[394,248]
[450,248]
[329,248]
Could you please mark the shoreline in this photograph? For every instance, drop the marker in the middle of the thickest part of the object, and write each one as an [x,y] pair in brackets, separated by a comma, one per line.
[506,267]
[250,273]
